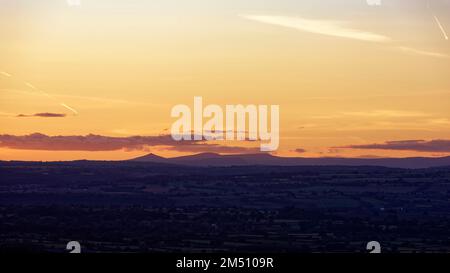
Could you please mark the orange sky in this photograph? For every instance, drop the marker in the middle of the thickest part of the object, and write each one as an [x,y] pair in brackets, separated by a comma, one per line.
[343,73]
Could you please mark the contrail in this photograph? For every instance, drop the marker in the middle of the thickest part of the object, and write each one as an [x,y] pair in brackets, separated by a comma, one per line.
[323,27]
[70,108]
[441,27]
[5,74]
[438,22]
[36,89]
[31,86]
[51,97]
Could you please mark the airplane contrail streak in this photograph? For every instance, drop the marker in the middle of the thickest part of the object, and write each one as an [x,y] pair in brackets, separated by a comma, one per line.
[53,98]
[31,86]
[441,27]
[438,22]
[5,74]
[36,89]
[70,108]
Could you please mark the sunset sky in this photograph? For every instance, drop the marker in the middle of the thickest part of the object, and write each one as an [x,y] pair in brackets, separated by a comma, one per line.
[352,80]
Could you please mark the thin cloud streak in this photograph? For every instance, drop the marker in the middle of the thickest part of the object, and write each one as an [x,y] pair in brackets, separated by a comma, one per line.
[382,113]
[422,52]
[5,114]
[437,145]
[339,29]
[324,27]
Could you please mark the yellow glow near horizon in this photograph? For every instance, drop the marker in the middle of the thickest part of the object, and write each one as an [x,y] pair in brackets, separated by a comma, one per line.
[379,75]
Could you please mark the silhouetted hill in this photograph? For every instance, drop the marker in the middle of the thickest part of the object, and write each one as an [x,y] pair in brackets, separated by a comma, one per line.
[151,158]
[212,159]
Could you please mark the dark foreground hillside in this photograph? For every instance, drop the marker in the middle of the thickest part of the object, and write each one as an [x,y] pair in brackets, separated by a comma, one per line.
[147,207]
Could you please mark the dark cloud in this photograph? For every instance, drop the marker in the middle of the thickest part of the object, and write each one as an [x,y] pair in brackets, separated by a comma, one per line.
[92,142]
[370,156]
[300,150]
[43,115]
[437,145]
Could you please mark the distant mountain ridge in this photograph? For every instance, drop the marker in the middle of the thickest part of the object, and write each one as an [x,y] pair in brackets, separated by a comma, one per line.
[217,160]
